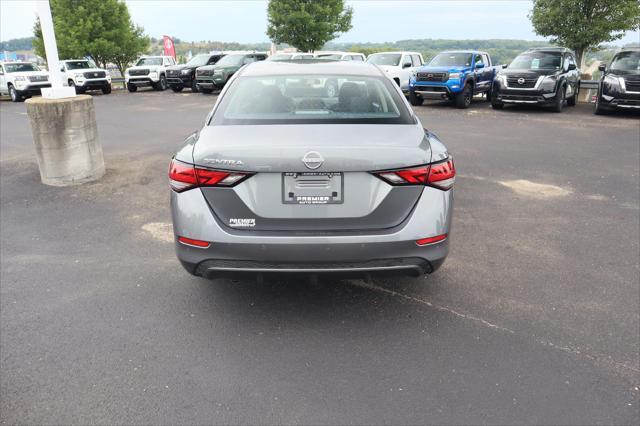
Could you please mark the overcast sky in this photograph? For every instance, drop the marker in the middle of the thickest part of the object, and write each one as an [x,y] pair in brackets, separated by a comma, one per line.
[374,21]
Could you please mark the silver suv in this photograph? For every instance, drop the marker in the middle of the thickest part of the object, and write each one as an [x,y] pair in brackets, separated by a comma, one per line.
[284,177]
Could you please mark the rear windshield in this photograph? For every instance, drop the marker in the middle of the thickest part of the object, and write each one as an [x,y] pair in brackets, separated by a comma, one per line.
[537,61]
[296,99]
[336,56]
[392,59]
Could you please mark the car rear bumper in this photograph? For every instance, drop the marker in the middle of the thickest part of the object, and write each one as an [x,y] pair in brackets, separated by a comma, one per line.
[323,252]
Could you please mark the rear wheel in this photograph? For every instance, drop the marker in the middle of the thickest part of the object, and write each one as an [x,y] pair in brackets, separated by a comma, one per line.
[414,99]
[177,88]
[132,87]
[14,95]
[573,99]
[463,99]
[560,98]
[106,90]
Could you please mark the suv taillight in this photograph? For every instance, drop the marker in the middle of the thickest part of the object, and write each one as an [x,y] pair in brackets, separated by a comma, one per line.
[183,176]
[439,175]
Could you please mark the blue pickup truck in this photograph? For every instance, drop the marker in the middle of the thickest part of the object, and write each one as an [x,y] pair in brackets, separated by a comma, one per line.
[455,75]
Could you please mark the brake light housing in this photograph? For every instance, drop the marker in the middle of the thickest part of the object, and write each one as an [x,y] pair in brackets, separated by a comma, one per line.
[439,175]
[185,176]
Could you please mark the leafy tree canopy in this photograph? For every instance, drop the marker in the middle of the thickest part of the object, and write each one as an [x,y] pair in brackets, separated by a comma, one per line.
[307,24]
[99,29]
[582,25]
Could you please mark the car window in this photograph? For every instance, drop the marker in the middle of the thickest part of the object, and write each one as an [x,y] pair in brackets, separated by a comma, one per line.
[416,60]
[149,61]
[301,98]
[347,58]
[392,59]
[261,57]
[248,59]
[479,59]
[357,58]
[485,58]
[537,61]
[20,67]
[405,59]
[626,62]
[448,59]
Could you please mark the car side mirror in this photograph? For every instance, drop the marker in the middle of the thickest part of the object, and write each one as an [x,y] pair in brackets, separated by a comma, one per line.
[572,67]
[602,67]
[479,66]
[406,65]
[62,68]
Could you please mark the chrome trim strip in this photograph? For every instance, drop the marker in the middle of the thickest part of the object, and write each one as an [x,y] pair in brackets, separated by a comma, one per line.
[374,268]
[511,101]
[536,87]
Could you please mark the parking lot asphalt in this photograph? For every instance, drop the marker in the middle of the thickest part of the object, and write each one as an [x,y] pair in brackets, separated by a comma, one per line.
[533,319]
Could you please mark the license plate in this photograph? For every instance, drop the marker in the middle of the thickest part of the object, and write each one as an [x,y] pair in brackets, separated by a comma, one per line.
[312,188]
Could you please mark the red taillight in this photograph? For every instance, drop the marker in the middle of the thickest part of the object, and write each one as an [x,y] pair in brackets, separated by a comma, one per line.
[195,243]
[440,175]
[431,240]
[183,176]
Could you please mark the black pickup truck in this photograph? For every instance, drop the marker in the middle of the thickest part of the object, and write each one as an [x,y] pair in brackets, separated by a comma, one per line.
[181,76]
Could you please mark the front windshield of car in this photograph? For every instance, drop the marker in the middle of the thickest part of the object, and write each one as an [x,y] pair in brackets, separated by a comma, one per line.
[626,61]
[280,57]
[231,61]
[23,67]
[537,61]
[392,59]
[149,61]
[451,59]
[78,65]
[198,60]
[295,99]
[336,56]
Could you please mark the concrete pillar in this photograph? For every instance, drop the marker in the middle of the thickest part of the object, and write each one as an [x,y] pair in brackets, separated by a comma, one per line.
[66,140]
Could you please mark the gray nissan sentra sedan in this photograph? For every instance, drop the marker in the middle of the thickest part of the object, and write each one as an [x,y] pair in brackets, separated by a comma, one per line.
[311,167]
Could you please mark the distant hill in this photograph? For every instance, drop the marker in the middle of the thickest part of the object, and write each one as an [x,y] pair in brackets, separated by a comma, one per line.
[16,44]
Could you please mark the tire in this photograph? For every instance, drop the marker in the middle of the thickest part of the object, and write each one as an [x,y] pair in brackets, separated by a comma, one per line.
[106,90]
[161,85]
[463,99]
[496,104]
[15,96]
[73,84]
[414,99]
[573,99]
[177,89]
[206,91]
[132,87]
[559,100]
[194,86]
[331,89]
[598,109]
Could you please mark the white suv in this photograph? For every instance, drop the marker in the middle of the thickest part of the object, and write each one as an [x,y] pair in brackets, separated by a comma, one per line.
[21,80]
[149,71]
[83,75]
[397,65]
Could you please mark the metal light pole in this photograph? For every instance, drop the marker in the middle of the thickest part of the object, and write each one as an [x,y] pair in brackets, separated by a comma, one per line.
[57,90]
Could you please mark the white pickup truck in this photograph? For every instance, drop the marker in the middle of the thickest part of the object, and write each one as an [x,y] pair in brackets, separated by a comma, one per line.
[149,71]
[398,65]
[84,75]
[22,80]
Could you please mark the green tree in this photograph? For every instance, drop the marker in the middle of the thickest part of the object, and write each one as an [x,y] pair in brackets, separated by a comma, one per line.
[307,24]
[582,25]
[99,29]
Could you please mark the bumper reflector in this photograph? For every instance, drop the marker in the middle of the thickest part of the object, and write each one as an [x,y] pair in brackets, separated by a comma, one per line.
[194,243]
[431,240]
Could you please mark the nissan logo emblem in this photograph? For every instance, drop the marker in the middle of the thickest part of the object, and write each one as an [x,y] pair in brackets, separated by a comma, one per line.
[521,80]
[312,160]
